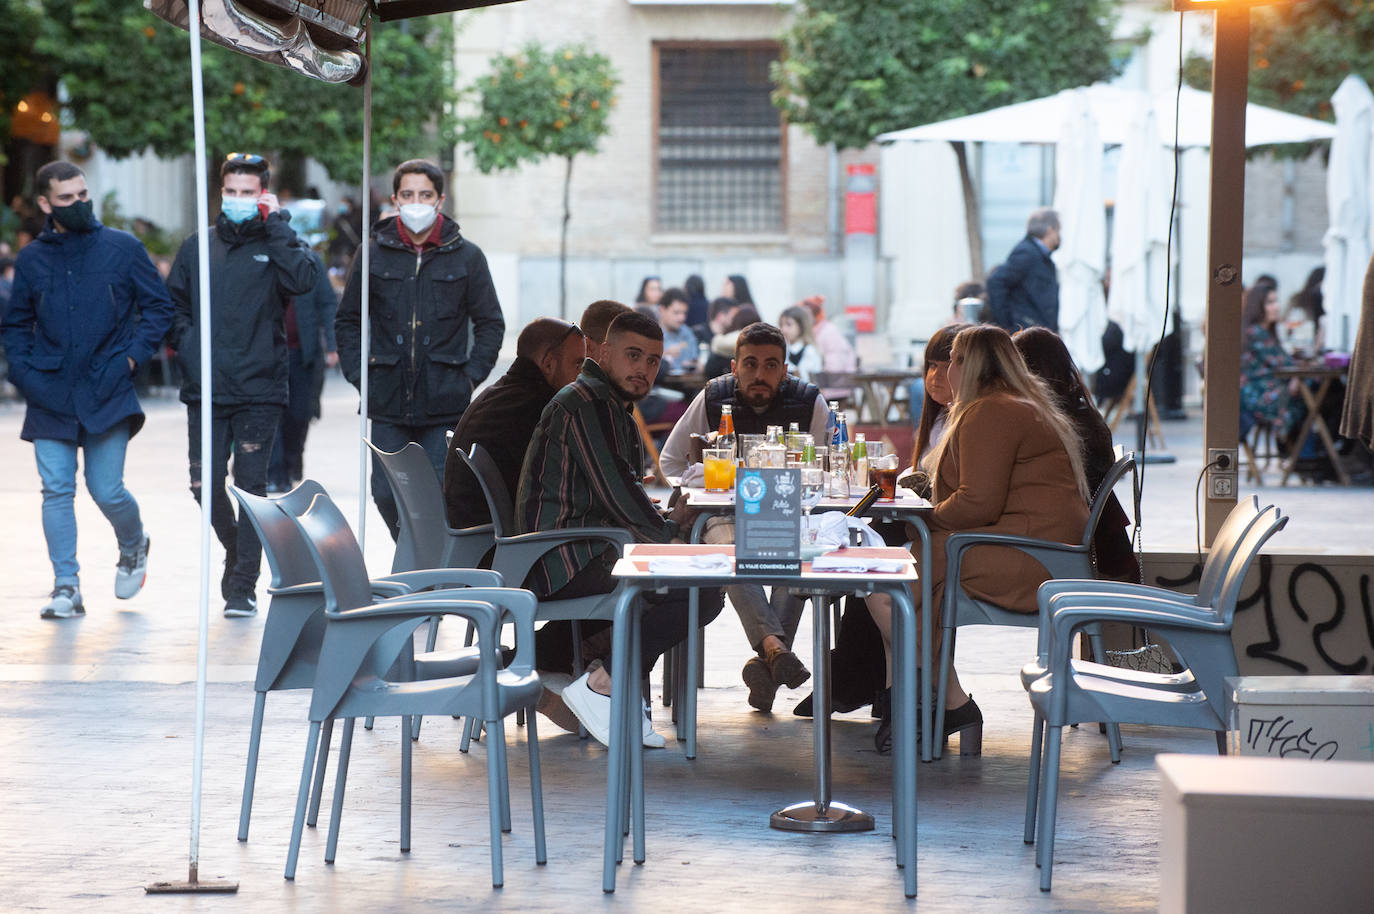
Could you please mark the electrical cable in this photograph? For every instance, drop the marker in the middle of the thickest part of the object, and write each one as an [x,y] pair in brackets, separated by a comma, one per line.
[1138,489]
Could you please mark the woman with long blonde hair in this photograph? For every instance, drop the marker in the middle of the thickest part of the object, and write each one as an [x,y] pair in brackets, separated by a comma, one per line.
[1008,462]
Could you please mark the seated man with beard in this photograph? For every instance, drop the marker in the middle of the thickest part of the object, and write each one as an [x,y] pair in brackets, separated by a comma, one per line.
[584,468]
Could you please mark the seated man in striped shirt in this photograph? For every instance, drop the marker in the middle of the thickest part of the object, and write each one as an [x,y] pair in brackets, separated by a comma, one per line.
[584,468]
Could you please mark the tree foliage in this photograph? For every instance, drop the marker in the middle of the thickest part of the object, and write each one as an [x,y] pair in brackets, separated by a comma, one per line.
[127,81]
[852,69]
[1300,52]
[540,102]
[21,70]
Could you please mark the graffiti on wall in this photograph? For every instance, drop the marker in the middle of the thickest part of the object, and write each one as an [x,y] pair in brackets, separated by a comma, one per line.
[1303,614]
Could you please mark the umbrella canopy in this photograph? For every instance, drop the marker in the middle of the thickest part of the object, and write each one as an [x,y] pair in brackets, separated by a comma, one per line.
[1348,199]
[1140,232]
[1083,229]
[1039,121]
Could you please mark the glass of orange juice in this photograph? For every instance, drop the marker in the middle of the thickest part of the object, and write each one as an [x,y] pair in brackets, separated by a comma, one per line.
[720,469]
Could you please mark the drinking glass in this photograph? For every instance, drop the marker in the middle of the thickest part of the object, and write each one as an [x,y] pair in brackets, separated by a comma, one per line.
[748,449]
[885,475]
[719,464]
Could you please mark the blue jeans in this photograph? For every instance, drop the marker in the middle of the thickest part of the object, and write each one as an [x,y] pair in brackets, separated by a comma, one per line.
[392,438]
[104,459]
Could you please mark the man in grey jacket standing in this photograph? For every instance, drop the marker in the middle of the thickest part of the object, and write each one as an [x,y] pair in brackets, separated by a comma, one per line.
[256,264]
[435,325]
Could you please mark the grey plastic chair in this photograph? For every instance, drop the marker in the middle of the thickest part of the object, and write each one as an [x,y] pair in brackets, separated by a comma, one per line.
[1199,635]
[367,668]
[426,540]
[1061,560]
[516,554]
[294,626]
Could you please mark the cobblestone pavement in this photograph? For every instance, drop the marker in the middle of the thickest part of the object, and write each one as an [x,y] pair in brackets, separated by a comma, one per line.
[98,717]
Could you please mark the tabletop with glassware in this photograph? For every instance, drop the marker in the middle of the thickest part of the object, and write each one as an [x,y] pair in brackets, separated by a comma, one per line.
[856,478]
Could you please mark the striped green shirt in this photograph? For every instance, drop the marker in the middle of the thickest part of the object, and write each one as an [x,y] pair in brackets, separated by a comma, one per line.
[584,468]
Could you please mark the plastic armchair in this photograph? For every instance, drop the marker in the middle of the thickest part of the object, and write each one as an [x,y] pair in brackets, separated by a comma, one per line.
[294,627]
[1061,560]
[367,644]
[1199,635]
[1084,592]
[517,553]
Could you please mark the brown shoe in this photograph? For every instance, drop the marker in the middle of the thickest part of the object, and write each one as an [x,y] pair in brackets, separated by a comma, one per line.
[551,706]
[759,679]
[787,669]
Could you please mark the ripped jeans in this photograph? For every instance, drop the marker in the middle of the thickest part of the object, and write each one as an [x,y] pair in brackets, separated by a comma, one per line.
[250,430]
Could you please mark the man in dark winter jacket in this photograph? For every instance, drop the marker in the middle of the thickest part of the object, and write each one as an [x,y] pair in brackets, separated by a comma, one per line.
[87,308]
[1024,291]
[256,264]
[434,321]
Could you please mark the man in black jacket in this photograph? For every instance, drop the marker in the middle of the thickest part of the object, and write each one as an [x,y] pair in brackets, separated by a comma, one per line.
[1024,291]
[431,295]
[256,264]
[548,356]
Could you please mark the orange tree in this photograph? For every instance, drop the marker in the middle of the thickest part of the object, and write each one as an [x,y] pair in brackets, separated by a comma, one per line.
[541,102]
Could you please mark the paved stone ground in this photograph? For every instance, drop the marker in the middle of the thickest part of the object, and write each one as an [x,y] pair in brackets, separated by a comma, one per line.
[98,717]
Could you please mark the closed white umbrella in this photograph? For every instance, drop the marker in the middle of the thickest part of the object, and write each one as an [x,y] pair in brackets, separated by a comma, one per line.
[1140,238]
[1348,199]
[1080,258]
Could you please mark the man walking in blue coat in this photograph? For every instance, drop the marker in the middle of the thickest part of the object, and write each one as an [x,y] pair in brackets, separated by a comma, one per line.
[87,308]
[1024,291]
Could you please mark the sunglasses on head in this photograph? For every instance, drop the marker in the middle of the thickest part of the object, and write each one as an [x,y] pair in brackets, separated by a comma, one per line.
[247,158]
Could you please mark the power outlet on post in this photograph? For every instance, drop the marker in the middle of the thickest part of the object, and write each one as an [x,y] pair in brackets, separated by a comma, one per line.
[1222,475]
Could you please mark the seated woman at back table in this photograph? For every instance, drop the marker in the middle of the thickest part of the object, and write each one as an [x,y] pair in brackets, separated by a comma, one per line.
[1048,359]
[803,358]
[1265,399]
[1009,462]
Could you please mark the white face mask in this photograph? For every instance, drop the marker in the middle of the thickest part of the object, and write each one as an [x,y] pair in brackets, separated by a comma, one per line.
[418,216]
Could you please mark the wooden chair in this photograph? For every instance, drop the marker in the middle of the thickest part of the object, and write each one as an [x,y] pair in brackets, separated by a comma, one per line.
[1116,409]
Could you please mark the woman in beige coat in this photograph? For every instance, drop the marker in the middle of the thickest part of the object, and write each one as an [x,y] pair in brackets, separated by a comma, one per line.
[1009,462]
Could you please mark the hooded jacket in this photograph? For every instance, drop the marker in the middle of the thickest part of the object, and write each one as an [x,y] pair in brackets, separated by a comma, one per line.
[82,305]
[435,326]
[255,269]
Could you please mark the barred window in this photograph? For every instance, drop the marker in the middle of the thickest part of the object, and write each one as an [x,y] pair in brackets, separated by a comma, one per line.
[719,140]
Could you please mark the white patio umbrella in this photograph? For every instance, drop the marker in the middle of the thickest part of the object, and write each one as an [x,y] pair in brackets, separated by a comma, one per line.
[1078,198]
[1039,120]
[1349,191]
[1140,237]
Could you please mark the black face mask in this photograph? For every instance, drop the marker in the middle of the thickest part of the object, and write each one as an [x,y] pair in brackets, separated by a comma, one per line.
[78,217]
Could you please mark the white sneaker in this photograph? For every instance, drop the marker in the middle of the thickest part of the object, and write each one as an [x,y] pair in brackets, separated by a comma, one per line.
[65,603]
[594,711]
[132,570]
[652,738]
[555,682]
[591,708]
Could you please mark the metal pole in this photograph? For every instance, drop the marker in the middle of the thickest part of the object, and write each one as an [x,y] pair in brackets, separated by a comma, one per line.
[365,320]
[193,883]
[1225,244]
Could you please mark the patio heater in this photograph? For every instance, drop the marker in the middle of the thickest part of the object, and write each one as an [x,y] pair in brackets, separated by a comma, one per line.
[1225,244]
[328,40]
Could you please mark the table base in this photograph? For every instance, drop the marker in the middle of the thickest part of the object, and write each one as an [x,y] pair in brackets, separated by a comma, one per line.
[837,817]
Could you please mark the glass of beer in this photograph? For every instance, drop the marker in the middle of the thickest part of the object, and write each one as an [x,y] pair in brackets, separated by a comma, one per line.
[885,475]
[720,469]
